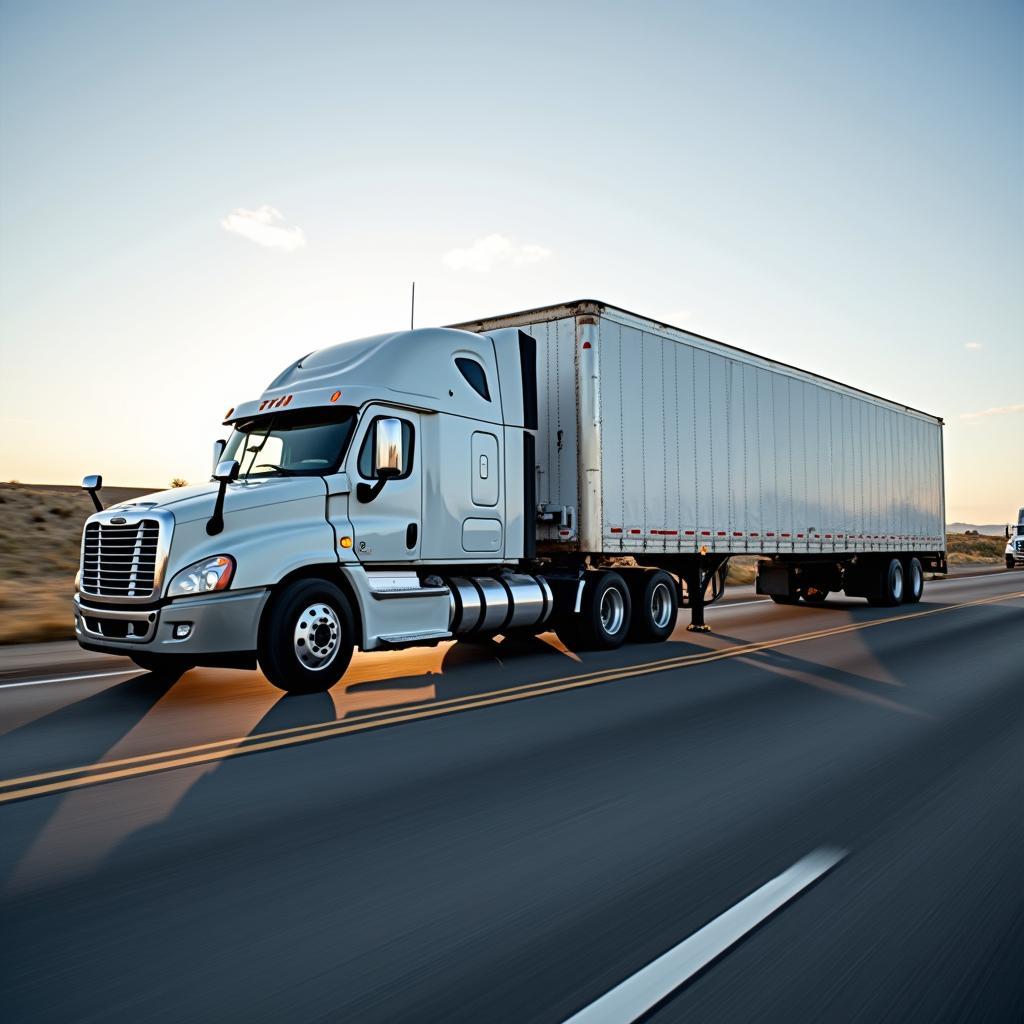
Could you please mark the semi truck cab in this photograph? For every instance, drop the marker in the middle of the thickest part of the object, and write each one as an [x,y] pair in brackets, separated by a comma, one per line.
[1015,542]
[350,504]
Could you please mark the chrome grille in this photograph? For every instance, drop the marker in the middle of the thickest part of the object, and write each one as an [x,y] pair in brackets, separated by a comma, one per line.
[120,560]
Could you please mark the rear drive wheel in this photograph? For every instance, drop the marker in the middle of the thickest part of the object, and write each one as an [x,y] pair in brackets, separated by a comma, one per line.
[307,637]
[655,600]
[913,581]
[889,590]
[814,595]
[604,615]
[784,599]
[166,667]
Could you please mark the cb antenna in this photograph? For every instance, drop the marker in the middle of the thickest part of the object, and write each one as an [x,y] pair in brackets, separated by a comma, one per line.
[412,310]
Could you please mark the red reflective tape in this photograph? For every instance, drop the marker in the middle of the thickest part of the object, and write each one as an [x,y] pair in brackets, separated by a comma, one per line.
[828,536]
[616,529]
[636,531]
[721,533]
[786,535]
[737,533]
[755,535]
[770,534]
[690,533]
[705,533]
[670,533]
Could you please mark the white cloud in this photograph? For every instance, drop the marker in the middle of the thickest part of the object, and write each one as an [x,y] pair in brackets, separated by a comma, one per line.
[493,250]
[972,346]
[265,226]
[998,410]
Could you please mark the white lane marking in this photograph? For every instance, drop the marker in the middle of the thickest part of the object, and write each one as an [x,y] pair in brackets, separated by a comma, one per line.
[71,679]
[660,978]
[736,604]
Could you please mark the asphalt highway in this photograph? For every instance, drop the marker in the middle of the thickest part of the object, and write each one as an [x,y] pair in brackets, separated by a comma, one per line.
[806,814]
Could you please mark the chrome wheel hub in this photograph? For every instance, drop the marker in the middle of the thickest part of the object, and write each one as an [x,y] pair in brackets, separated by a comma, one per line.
[897,583]
[317,636]
[613,611]
[661,605]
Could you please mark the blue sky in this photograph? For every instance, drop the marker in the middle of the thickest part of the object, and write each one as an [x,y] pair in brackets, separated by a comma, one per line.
[838,186]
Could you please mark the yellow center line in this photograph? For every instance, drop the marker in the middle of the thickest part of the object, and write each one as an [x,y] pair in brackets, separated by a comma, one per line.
[144,764]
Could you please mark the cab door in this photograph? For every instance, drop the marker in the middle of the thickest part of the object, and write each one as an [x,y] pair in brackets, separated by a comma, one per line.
[387,513]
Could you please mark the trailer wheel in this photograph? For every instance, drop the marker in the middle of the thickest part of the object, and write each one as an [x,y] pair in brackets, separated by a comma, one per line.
[167,668]
[307,637]
[913,579]
[784,599]
[604,616]
[814,595]
[889,590]
[655,597]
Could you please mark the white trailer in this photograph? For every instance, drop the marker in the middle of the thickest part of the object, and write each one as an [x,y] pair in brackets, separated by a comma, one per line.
[576,467]
[662,444]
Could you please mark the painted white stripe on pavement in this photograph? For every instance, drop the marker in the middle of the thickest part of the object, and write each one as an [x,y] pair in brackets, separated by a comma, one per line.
[660,978]
[71,679]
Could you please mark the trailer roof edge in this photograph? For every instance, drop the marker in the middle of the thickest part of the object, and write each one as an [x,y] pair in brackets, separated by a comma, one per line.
[595,307]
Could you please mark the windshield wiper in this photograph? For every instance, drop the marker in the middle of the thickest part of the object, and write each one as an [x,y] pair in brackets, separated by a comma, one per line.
[283,470]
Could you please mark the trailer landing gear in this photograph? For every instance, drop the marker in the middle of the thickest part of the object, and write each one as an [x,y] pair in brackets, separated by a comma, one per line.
[698,578]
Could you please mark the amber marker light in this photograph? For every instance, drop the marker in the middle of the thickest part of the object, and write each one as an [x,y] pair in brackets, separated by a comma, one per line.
[335,396]
[227,415]
[345,542]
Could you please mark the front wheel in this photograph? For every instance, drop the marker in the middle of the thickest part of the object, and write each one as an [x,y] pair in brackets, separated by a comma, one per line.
[307,637]
[1009,562]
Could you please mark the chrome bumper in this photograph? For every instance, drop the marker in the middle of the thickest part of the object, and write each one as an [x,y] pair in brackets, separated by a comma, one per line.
[218,624]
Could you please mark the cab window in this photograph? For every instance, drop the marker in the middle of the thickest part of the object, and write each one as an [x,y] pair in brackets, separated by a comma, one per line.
[476,376]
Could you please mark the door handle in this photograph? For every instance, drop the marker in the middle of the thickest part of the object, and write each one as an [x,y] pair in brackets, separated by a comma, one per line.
[411,533]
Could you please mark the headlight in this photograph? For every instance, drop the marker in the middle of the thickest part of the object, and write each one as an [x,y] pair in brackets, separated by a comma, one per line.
[203,577]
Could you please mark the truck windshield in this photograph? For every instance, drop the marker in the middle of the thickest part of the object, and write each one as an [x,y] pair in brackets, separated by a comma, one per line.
[304,442]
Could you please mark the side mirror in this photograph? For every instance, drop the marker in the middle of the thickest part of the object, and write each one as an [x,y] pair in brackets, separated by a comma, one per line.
[227,471]
[92,484]
[218,451]
[224,473]
[388,456]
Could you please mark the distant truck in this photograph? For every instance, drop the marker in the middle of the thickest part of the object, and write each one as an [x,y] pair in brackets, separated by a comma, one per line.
[1015,542]
[576,467]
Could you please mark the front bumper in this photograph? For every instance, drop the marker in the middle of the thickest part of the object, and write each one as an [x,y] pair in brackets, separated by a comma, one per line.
[219,624]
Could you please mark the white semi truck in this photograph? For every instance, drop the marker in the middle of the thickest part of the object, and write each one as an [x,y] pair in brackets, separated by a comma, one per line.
[576,467]
[1015,542]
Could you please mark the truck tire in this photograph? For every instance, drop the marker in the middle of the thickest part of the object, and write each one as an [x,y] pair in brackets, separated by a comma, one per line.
[306,637]
[814,595]
[784,599]
[166,667]
[604,616]
[655,600]
[913,581]
[1010,562]
[889,589]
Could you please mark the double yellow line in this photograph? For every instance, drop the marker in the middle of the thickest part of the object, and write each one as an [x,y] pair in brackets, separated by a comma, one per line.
[60,780]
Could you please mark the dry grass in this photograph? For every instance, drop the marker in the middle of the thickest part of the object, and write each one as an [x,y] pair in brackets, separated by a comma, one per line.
[40,532]
[972,550]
